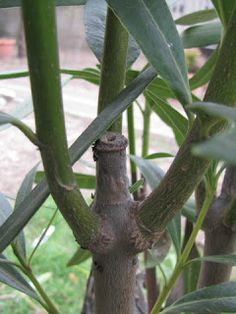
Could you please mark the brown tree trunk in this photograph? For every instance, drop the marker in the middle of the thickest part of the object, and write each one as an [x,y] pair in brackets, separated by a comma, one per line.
[114,258]
[220,236]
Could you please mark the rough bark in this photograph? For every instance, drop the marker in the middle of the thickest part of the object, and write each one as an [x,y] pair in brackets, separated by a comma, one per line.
[114,258]
[220,236]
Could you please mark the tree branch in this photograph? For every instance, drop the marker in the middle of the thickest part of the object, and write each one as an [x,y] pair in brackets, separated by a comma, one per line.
[113,72]
[187,170]
[42,50]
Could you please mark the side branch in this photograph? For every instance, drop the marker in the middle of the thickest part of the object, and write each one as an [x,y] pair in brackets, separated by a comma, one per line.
[42,50]
[187,170]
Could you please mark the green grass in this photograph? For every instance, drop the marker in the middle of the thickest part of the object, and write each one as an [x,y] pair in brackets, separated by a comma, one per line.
[65,286]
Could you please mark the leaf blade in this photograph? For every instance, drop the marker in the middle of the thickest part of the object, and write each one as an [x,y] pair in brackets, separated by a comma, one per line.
[11,277]
[163,47]
[214,299]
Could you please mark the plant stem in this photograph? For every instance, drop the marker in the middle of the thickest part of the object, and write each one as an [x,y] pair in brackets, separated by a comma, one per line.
[26,269]
[146,129]
[132,146]
[113,72]
[42,236]
[184,256]
[42,49]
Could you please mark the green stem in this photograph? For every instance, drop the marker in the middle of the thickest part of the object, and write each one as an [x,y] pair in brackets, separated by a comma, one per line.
[132,146]
[146,129]
[26,131]
[26,269]
[42,236]
[184,256]
[113,72]
[42,49]
[51,308]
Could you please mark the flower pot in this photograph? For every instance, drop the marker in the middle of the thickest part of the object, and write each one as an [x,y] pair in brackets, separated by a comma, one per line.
[7,47]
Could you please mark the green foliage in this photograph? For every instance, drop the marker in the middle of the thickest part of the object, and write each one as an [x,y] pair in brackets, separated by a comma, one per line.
[219,147]
[224,10]
[11,277]
[95,22]
[198,17]
[202,35]
[151,24]
[218,298]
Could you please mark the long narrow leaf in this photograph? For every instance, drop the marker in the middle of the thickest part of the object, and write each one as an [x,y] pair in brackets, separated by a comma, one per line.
[95,20]
[5,209]
[11,277]
[79,257]
[16,222]
[221,259]
[204,74]
[170,116]
[202,35]
[214,299]
[151,24]
[197,17]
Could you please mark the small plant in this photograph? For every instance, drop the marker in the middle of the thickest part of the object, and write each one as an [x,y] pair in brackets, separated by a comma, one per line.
[123,221]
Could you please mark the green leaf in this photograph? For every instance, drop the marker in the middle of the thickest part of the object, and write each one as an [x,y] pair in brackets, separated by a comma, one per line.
[5,209]
[204,74]
[224,10]
[95,22]
[79,257]
[214,299]
[221,259]
[158,155]
[89,74]
[160,88]
[136,186]
[151,24]
[151,172]
[20,217]
[11,277]
[26,186]
[219,147]
[84,181]
[169,115]
[13,74]
[202,35]
[215,109]
[197,17]
[6,118]
[191,272]
[174,229]
[17,3]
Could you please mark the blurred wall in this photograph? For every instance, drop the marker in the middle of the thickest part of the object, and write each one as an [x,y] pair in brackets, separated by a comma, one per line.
[69,20]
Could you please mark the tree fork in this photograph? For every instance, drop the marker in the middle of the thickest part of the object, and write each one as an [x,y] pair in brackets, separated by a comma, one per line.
[114,264]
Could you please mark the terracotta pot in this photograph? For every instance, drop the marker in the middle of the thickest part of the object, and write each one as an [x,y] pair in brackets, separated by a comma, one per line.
[7,47]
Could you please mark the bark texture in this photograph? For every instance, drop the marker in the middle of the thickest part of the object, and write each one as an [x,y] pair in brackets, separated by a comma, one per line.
[114,257]
[220,235]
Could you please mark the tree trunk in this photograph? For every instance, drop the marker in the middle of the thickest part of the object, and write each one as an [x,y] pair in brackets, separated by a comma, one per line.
[114,261]
[220,236]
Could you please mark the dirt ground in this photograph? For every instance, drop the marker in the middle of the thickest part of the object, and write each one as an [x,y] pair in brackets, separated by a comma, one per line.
[18,155]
